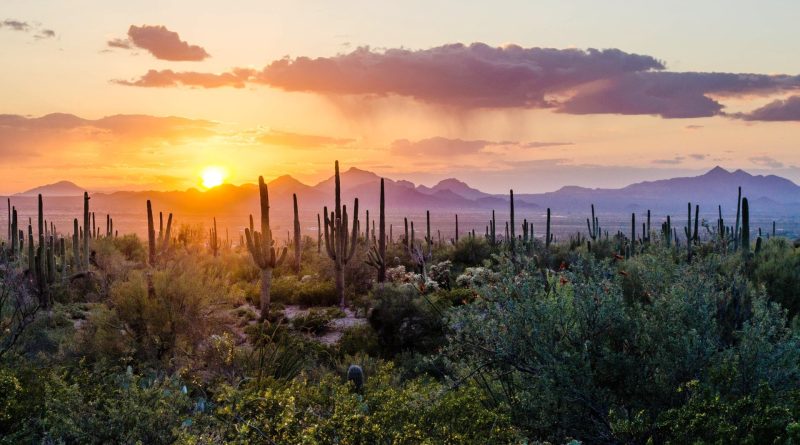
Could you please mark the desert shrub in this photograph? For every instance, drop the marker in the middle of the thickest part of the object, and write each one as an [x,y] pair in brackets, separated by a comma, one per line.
[316,293]
[282,290]
[777,267]
[316,321]
[330,411]
[111,260]
[359,339]
[404,320]
[711,417]
[581,362]
[471,252]
[170,311]
[131,247]
[455,297]
[81,405]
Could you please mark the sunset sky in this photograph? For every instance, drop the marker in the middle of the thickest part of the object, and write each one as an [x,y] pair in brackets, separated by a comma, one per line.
[533,95]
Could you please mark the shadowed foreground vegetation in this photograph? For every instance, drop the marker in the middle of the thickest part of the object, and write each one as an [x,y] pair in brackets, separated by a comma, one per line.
[480,339]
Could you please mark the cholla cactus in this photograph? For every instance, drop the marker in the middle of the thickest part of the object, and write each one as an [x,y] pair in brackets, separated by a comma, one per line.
[477,277]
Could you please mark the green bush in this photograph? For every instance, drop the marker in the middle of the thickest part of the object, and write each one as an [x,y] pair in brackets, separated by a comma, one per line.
[585,363]
[79,405]
[316,293]
[283,290]
[777,267]
[315,321]
[360,339]
[330,411]
[404,320]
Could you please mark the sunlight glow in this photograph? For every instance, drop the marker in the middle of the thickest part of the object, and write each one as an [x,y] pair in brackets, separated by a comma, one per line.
[213,176]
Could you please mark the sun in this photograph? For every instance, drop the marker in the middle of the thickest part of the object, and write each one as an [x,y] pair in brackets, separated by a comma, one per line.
[213,176]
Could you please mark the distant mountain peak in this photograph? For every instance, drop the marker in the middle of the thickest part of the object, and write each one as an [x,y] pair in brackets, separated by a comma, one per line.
[285,179]
[718,171]
[455,186]
[60,188]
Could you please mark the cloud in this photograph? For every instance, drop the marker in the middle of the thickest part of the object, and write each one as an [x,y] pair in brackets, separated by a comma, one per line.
[698,156]
[162,43]
[168,78]
[119,43]
[446,147]
[779,110]
[21,26]
[540,144]
[672,161]
[298,140]
[475,76]
[45,34]
[22,137]
[437,146]
[464,76]
[766,161]
[693,127]
[672,94]
[15,25]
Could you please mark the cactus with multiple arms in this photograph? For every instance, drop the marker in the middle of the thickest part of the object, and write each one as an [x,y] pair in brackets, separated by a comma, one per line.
[339,243]
[262,249]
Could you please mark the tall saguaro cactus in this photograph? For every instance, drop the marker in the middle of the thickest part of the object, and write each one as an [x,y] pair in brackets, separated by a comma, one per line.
[339,242]
[512,236]
[151,235]
[745,226]
[262,248]
[377,254]
[86,230]
[297,236]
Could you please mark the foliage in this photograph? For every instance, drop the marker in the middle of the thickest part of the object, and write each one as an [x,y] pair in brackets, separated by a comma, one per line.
[330,411]
[573,357]
[405,320]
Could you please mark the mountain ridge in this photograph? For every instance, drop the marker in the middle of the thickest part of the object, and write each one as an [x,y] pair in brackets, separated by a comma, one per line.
[715,187]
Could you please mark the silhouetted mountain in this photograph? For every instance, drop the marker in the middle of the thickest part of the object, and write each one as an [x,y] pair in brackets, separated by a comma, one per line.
[716,187]
[454,185]
[60,188]
[769,194]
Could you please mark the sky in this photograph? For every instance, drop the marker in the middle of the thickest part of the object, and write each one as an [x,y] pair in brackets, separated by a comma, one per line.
[530,95]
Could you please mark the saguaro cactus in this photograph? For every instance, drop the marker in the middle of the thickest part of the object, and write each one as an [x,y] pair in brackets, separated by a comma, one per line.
[262,248]
[512,236]
[297,236]
[745,226]
[377,254]
[76,246]
[213,239]
[15,233]
[86,230]
[339,242]
[593,226]
[319,234]
[548,237]
[151,235]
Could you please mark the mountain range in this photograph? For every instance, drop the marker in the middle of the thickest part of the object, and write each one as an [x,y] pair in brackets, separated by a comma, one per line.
[716,187]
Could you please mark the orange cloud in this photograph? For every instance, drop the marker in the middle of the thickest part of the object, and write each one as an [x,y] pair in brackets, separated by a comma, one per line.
[298,140]
[168,78]
[162,43]
[479,76]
